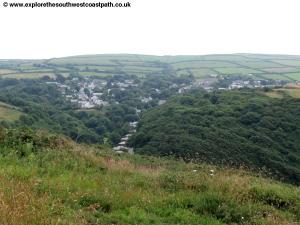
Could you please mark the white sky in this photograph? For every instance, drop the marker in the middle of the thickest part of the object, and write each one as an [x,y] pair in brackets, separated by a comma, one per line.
[160,27]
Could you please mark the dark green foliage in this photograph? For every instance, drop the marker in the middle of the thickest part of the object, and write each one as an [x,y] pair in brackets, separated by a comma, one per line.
[24,141]
[45,108]
[240,128]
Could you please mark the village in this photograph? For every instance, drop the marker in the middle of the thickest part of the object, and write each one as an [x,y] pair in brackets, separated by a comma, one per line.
[88,93]
[96,93]
[92,92]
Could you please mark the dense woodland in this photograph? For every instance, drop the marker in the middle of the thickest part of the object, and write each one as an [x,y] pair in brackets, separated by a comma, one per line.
[240,128]
[44,107]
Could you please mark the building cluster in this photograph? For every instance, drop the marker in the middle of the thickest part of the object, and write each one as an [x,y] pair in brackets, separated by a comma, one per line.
[85,93]
[236,84]
[210,84]
[206,84]
[123,85]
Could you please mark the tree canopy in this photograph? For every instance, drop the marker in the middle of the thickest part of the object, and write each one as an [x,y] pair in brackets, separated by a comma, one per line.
[240,128]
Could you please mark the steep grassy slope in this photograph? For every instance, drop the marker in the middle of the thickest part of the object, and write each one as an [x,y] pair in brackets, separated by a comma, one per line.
[9,112]
[50,180]
[233,128]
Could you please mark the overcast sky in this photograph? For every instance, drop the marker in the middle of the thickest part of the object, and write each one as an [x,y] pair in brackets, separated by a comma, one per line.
[160,27]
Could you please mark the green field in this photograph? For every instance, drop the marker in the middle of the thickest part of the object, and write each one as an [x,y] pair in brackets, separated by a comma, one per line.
[182,73]
[97,59]
[28,75]
[32,75]
[142,68]
[236,70]
[202,64]
[146,65]
[201,73]
[94,74]
[258,64]
[288,62]
[281,69]
[279,93]
[8,112]
[295,93]
[100,68]
[294,76]
[275,76]
[274,94]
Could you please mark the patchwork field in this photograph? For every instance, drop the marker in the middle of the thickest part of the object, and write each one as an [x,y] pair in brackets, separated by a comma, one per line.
[28,75]
[277,67]
[288,62]
[275,76]
[202,64]
[258,64]
[236,70]
[281,69]
[86,73]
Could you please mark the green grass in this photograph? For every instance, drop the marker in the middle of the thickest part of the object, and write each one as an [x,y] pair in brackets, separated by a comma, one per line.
[27,66]
[201,73]
[295,93]
[100,59]
[275,77]
[59,182]
[202,64]
[294,76]
[281,69]
[182,73]
[288,62]
[28,75]
[279,93]
[199,66]
[147,65]
[259,64]
[236,70]
[141,68]
[35,75]
[274,94]
[100,68]
[9,113]
[85,73]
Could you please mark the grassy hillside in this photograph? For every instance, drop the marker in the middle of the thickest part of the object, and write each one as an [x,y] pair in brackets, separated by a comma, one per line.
[233,128]
[293,91]
[282,67]
[9,112]
[50,180]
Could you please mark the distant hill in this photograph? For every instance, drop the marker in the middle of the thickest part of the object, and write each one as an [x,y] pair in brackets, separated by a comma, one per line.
[276,67]
[240,128]
[48,179]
